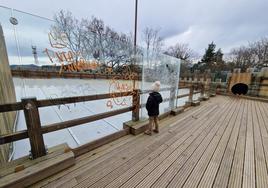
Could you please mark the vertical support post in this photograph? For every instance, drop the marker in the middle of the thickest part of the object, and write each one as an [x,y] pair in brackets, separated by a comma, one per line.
[202,90]
[258,88]
[218,89]
[190,100]
[136,24]
[33,123]
[172,98]
[136,105]
[213,88]
[206,89]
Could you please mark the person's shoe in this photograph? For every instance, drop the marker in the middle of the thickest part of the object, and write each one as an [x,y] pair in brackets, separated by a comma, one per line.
[148,133]
[156,130]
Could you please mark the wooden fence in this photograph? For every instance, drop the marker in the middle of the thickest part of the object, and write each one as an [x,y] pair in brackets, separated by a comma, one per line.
[35,131]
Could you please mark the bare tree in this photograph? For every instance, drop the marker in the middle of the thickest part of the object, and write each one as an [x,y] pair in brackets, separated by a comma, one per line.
[67,33]
[185,53]
[243,57]
[259,49]
[181,51]
[255,54]
[89,39]
[153,42]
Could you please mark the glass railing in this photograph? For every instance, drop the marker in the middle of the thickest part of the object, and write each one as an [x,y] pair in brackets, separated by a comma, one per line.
[163,68]
[41,57]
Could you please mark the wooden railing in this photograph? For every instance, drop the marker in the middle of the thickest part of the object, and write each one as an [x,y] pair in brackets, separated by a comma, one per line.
[35,131]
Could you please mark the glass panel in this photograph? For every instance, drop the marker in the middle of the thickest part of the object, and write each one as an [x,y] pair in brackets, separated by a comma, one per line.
[31,48]
[109,65]
[32,34]
[10,34]
[163,68]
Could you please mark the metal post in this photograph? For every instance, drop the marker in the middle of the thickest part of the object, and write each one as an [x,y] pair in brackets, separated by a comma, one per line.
[136,24]
[136,105]
[33,123]
[135,39]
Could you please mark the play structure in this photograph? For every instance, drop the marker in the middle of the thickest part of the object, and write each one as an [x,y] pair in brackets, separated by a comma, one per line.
[248,83]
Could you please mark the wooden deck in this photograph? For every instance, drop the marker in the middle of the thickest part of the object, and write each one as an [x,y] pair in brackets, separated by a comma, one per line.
[222,143]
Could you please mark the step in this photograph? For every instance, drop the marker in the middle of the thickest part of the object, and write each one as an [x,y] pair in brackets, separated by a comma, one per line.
[25,172]
[196,103]
[204,98]
[193,103]
[212,95]
[136,127]
[177,111]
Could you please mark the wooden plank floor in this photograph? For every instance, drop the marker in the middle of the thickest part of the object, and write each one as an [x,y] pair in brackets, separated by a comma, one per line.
[222,143]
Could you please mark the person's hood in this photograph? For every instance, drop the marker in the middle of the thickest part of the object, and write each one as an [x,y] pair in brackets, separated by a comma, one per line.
[157,96]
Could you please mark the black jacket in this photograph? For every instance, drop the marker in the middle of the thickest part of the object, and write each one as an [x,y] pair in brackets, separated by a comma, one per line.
[152,104]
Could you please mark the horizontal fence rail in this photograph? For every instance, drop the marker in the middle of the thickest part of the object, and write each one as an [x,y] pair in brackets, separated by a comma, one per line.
[79,121]
[61,101]
[62,125]
[11,107]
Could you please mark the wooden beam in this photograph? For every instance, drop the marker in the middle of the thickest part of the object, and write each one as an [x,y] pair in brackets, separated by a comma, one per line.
[79,121]
[60,101]
[33,124]
[136,105]
[11,107]
[99,142]
[7,138]
[76,99]
[149,90]
[191,94]
[12,137]
[38,171]
[184,95]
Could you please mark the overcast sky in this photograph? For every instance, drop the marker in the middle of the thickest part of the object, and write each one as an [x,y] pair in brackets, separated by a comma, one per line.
[229,23]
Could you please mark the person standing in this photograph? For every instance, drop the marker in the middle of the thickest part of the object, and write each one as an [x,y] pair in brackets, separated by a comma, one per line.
[152,106]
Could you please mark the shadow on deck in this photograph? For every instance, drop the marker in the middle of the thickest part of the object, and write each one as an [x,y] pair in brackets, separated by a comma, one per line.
[223,142]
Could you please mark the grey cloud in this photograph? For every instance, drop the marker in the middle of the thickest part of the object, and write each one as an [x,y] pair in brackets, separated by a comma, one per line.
[227,22]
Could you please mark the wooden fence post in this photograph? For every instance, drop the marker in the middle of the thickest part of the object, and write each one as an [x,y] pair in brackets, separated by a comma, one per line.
[33,123]
[202,94]
[218,89]
[191,93]
[212,88]
[136,105]
[207,88]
